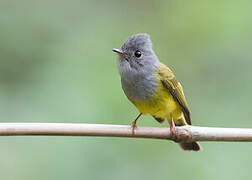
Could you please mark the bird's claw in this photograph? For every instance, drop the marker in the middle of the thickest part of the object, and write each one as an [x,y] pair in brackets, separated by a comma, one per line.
[133,127]
[173,130]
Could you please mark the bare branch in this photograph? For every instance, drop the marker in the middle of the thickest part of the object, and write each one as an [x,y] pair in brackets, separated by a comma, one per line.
[183,133]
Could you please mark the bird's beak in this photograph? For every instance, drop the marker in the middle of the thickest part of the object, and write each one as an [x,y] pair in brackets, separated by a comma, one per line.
[118,51]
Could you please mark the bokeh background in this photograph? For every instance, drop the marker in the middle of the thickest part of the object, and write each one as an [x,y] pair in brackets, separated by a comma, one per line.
[56,65]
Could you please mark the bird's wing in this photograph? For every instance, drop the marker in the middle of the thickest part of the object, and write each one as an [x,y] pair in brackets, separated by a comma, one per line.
[170,83]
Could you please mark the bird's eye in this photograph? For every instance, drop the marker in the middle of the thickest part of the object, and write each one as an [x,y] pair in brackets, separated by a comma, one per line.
[138,54]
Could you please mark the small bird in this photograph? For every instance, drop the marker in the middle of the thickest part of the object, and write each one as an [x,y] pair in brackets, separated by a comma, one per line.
[151,86]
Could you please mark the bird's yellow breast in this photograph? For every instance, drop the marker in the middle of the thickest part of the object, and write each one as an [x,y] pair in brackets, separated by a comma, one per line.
[161,104]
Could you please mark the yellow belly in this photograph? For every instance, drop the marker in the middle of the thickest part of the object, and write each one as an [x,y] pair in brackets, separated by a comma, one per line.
[161,105]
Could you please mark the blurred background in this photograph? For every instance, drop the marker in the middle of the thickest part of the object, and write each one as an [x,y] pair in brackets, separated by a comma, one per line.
[56,65]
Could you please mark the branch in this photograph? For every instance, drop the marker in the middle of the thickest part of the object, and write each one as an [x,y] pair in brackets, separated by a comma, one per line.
[183,133]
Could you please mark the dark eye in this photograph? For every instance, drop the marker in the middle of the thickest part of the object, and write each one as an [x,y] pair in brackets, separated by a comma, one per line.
[138,54]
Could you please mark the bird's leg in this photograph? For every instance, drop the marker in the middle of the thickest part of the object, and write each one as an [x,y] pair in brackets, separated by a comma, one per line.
[172,129]
[133,125]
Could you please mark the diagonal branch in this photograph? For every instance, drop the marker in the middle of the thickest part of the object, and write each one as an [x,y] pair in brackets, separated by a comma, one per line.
[183,133]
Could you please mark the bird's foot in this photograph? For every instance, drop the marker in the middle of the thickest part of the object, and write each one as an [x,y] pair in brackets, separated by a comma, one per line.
[133,126]
[173,130]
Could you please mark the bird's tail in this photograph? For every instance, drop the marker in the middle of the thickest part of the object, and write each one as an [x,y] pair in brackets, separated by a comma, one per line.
[191,146]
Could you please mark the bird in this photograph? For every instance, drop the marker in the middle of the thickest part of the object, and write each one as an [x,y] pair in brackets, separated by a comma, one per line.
[151,86]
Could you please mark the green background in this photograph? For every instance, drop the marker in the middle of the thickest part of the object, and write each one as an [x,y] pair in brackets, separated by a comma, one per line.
[56,65]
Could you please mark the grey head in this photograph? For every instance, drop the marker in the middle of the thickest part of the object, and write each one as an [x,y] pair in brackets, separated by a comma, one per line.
[137,64]
[136,54]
